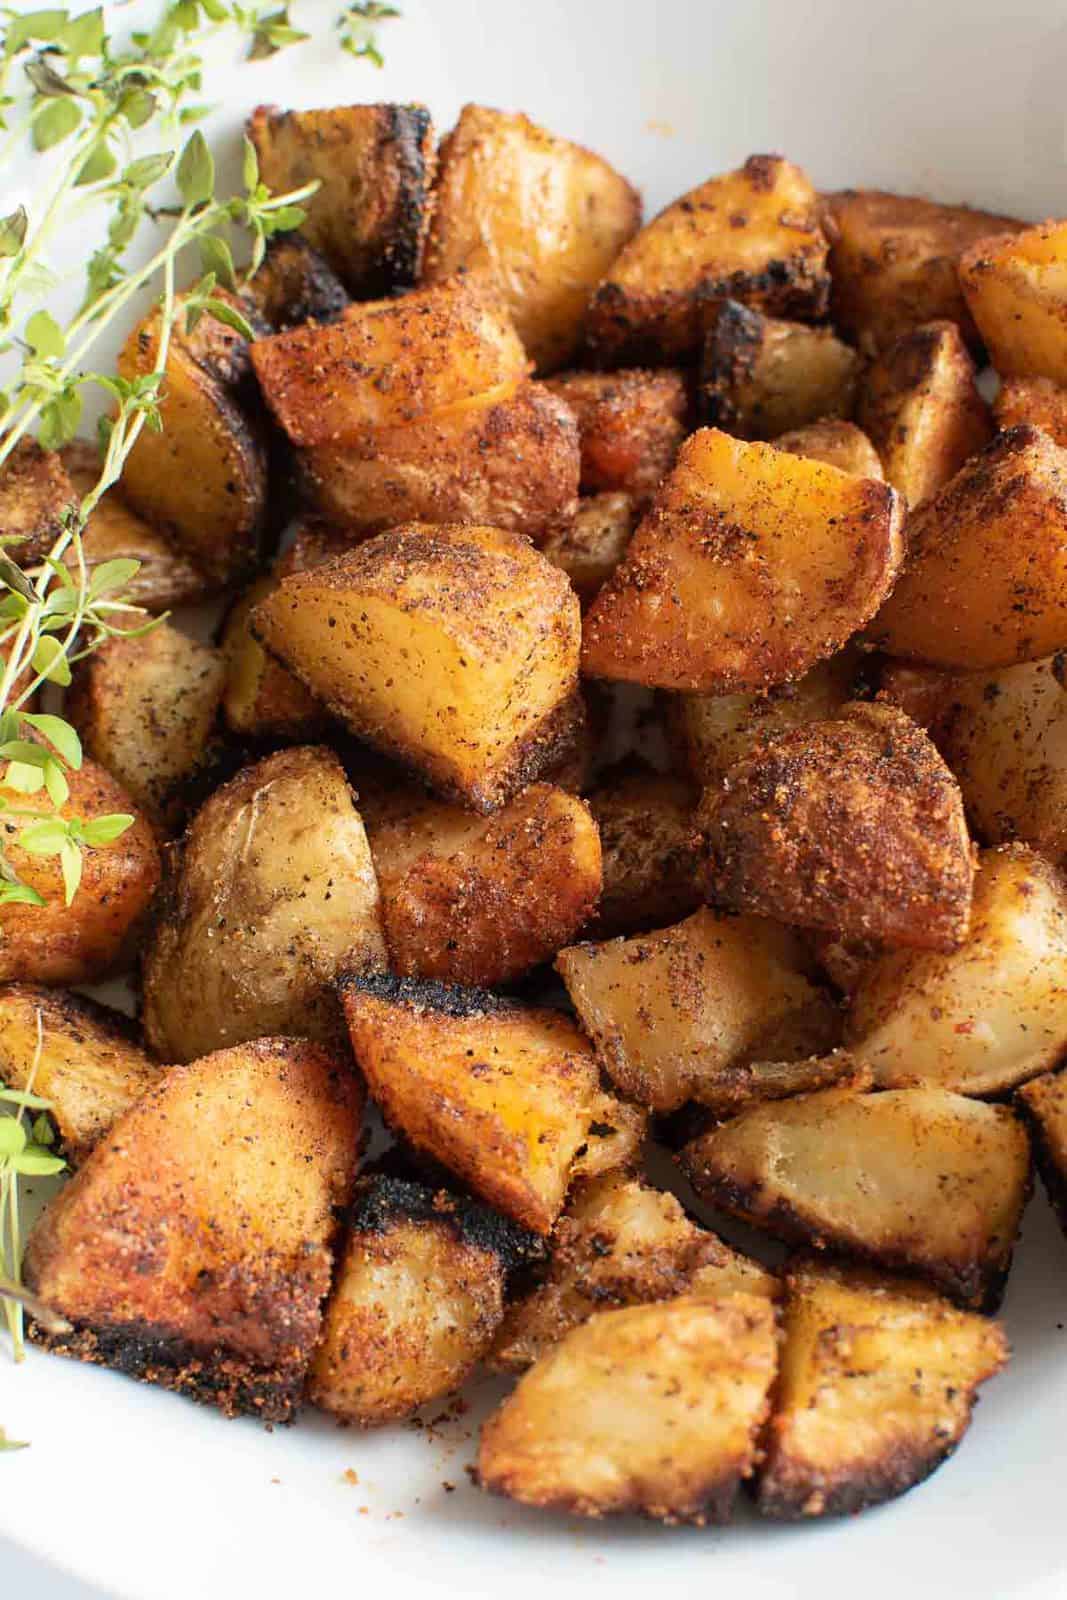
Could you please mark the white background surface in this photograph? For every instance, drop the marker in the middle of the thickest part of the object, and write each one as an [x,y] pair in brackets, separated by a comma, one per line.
[154,1499]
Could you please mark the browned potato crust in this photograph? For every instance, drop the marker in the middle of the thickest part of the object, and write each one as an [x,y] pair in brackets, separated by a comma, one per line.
[630,424]
[985,583]
[839,444]
[893,260]
[922,693]
[1013,285]
[262,700]
[752,566]
[653,1409]
[854,825]
[374,166]
[877,1382]
[270,894]
[35,494]
[539,218]
[746,1084]
[294,284]
[752,235]
[591,544]
[94,937]
[761,376]
[649,851]
[913,1180]
[90,1066]
[1043,1104]
[1037,401]
[192,1249]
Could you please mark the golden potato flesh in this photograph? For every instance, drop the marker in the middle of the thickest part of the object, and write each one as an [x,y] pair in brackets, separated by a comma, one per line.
[453,648]
[83,1059]
[653,1409]
[761,376]
[670,1012]
[853,825]
[914,1180]
[921,410]
[500,1094]
[982,1018]
[192,1250]
[1037,401]
[295,284]
[877,1381]
[649,856]
[1043,1104]
[630,424]
[1016,291]
[537,217]
[271,893]
[752,566]
[261,700]
[985,583]
[590,545]
[35,495]
[752,235]
[839,444]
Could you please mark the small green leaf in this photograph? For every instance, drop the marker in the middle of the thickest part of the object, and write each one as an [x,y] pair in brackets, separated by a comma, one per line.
[196,171]
[13,577]
[216,258]
[222,311]
[70,861]
[283,220]
[49,659]
[22,1097]
[195,113]
[105,830]
[38,1163]
[42,25]
[45,336]
[12,1444]
[59,734]
[46,838]
[19,894]
[99,163]
[214,10]
[56,784]
[46,80]
[54,123]
[147,170]
[249,166]
[139,108]
[12,1137]
[110,576]
[43,1131]
[59,419]
[26,754]
[13,232]
[84,35]
[24,778]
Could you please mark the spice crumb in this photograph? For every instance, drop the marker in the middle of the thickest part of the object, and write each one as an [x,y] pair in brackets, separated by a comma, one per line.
[350,1475]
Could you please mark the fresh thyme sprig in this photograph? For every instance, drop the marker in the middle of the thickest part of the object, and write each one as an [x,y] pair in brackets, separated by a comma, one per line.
[24,1153]
[359,31]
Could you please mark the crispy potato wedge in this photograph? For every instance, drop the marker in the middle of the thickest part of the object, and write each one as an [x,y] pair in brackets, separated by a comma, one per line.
[982,1018]
[192,1249]
[913,1180]
[752,235]
[920,408]
[537,217]
[670,1012]
[97,935]
[501,1094]
[1043,1105]
[417,1299]
[854,825]
[839,444]
[271,893]
[295,284]
[985,583]
[35,493]
[261,699]
[653,1409]
[649,856]
[1013,286]
[1038,401]
[453,648]
[90,1066]
[630,424]
[374,166]
[761,376]
[752,566]
[877,1382]
[893,260]
[590,546]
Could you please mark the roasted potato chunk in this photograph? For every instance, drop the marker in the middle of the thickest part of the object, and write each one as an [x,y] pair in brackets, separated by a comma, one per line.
[985,583]
[913,1180]
[590,546]
[1013,286]
[145,708]
[749,1083]
[85,1060]
[502,1095]
[893,260]
[761,376]
[1037,401]
[919,407]
[653,1409]
[1043,1104]
[672,1011]
[854,825]
[35,494]
[986,1016]
[752,566]
[630,425]
[649,855]
[96,935]
[453,648]
[537,217]
[295,284]
[839,444]
[877,1383]
[374,166]
[271,893]
[261,700]
[192,1249]
[752,235]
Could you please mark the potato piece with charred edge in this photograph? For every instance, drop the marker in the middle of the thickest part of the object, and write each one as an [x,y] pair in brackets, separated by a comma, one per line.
[752,566]
[503,1095]
[752,235]
[454,649]
[96,935]
[619,1243]
[270,894]
[1037,401]
[416,1301]
[920,408]
[653,1409]
[1043,1106]
[374,166]
[35,493]
[670,1011]
[614,1140]
[893,260]
[630,424]
[913,1180]
[261,700]
[985,583]
[91,1066]
[537,217]
[295,284]
[649,855]
[192,1250]
[590,546]
[145,708]
[761,376]
[982,1018]
[839,444]
[1013,286]
[876,1386]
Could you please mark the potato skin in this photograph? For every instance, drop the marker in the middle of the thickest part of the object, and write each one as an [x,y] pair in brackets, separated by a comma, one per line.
[839,444]
[295,284]
[630,423]
[591,544]
[1037,401]
[1013,288]
[649,855]
[1042,1104]
[35,492]
[761,376]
